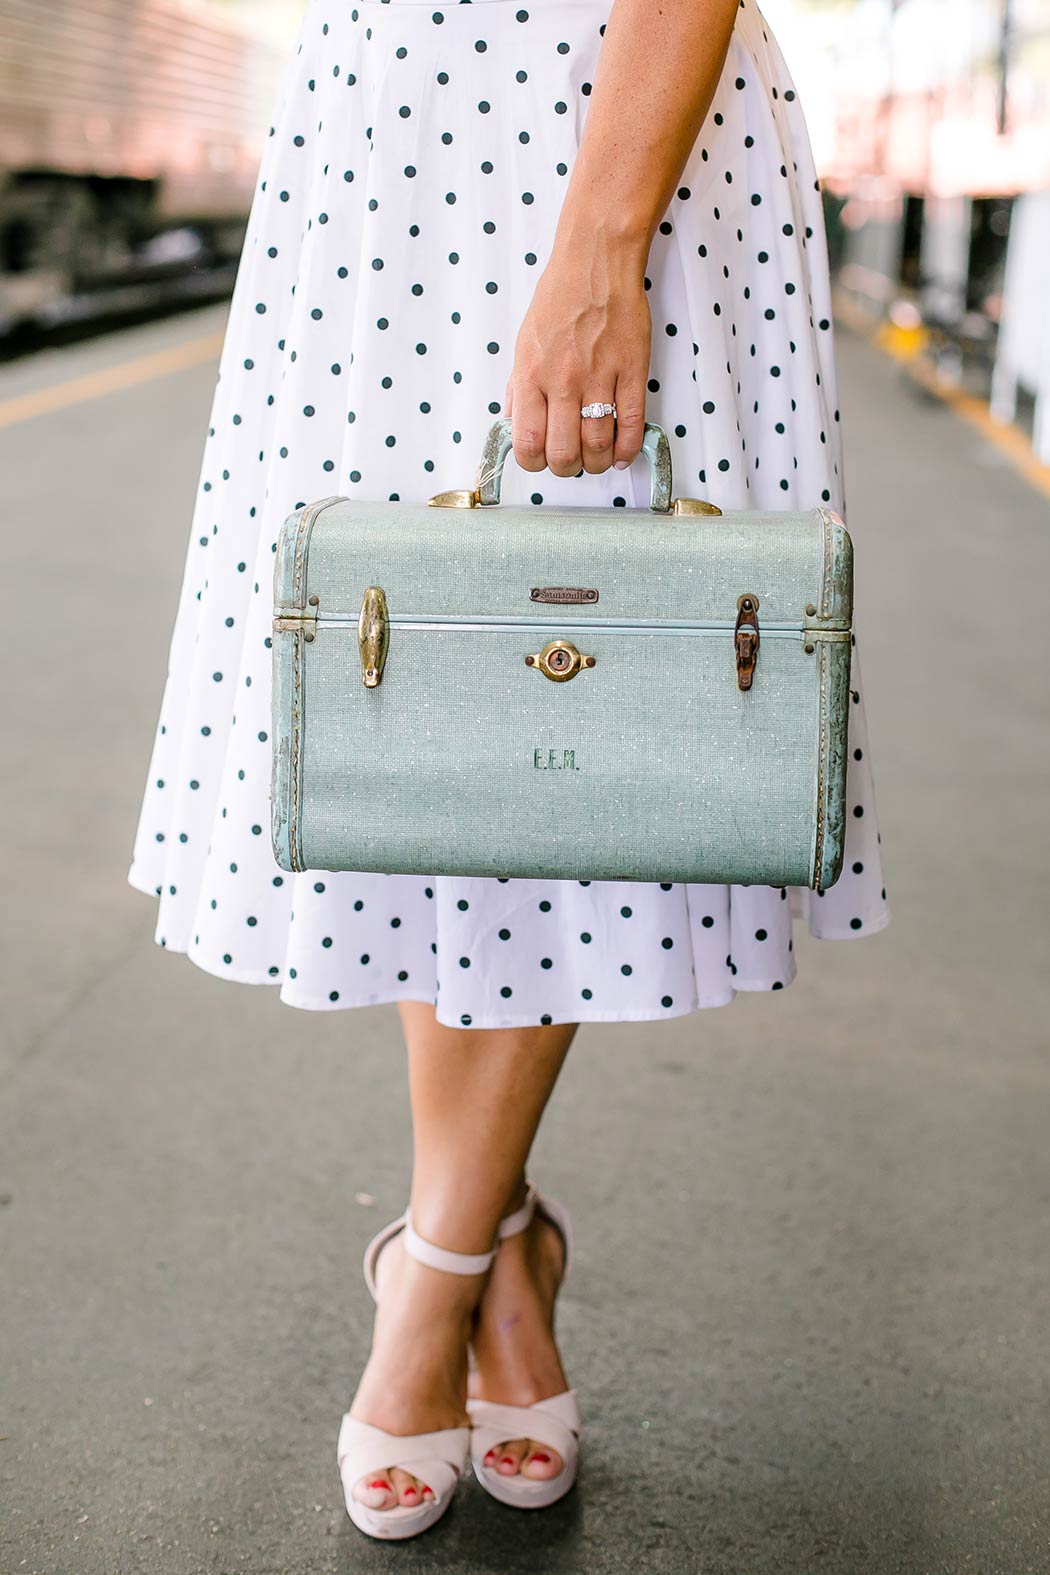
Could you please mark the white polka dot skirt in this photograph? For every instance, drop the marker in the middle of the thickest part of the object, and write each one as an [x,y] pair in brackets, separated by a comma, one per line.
[405,207]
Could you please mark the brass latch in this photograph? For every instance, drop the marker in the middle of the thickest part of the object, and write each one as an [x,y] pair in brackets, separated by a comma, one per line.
[559,661]
[373,635]
[745,639]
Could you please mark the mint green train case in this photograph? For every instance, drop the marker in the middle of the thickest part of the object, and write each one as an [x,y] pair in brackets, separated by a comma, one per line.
[462,687]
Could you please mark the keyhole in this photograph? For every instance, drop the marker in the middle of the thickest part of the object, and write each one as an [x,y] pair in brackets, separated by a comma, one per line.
[559,660]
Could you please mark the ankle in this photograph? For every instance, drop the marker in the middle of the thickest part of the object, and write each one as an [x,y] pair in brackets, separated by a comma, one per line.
[443,1228]
[455,1219]
[452,1298]
[535,1255]
[516,1196]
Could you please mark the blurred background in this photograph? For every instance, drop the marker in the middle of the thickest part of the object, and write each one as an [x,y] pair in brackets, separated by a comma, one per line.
[809,1311]
[130,131]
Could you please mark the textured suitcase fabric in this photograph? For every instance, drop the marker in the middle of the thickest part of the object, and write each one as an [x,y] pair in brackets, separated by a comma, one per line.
[651,765]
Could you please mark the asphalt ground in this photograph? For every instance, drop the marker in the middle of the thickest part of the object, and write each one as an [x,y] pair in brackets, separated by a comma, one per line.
[808,1319]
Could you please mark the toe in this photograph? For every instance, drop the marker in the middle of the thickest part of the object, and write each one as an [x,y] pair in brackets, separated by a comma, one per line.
[376,1490]
[509,1455]
[409,1489]
[540,1462]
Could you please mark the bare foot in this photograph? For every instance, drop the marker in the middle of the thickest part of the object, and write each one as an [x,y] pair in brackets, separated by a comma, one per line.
[517,1361]
[415,1380]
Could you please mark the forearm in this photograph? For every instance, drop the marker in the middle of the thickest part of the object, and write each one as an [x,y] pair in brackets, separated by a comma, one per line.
[657,73]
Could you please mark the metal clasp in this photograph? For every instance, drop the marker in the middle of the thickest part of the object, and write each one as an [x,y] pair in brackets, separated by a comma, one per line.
[746,640]
[373,635]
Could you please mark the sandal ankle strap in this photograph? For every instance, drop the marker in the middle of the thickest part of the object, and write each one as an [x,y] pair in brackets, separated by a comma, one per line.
[441,1257]
[521,1219]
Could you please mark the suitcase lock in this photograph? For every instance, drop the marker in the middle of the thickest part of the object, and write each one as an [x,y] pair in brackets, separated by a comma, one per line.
[559,661]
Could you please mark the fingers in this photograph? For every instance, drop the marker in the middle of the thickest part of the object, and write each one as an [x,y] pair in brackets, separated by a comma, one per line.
[597,434]
[529,428]
[564,442]
[548,431]
[630,419]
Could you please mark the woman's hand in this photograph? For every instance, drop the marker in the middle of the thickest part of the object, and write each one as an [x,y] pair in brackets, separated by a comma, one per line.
[587,334]
[585,339]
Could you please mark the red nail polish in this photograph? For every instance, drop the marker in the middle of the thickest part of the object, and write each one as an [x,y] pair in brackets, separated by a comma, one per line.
[410,1492]
[544,1460]
[507,1460]
[379,1484]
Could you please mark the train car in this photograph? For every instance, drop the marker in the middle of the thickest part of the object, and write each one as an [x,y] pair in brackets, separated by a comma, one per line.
[122,121]
[940,131]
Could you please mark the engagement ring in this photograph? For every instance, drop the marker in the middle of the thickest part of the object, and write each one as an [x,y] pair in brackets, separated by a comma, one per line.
[597,410]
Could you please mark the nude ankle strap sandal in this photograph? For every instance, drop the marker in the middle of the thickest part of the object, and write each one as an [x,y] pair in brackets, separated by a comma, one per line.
[555,1422]
[439,1459]
[426,1252]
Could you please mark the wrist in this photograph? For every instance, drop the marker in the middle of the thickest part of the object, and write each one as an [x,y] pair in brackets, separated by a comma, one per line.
[620,241]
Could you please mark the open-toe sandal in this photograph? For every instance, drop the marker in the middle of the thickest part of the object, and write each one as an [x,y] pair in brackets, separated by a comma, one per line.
[554,1422]
[438,1459]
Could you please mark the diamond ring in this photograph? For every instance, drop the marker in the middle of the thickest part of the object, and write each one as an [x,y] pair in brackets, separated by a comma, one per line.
[597,410]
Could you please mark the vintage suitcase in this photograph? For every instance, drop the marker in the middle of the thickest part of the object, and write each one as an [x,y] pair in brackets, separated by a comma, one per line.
[462,687]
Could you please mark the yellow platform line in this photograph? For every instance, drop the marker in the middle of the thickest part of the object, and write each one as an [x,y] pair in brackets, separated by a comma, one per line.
[110,380]
[902,347]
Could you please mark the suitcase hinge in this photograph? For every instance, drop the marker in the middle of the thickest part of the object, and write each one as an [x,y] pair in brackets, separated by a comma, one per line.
[303,620]
[746,639]
[817,628]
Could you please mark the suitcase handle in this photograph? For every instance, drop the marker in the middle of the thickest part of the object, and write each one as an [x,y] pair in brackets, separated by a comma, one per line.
[498,444]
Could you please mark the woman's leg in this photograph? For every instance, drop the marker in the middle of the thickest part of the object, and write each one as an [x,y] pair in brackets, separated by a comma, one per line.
[477,1097]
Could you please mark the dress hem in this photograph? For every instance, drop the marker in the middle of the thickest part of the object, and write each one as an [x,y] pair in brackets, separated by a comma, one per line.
[868,927]
[318,1004]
